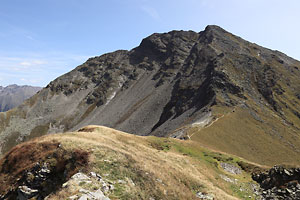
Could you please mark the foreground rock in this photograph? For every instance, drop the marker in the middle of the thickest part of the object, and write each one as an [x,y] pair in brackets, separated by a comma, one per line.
[36,170]
[231,168]
[279,183]
[95,181]
[201,195]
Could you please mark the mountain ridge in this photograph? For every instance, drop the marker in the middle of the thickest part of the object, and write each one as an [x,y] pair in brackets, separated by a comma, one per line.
[211,86]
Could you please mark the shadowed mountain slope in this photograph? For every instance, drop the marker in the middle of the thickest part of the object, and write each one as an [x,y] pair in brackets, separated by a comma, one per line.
[14,95]
[212,87]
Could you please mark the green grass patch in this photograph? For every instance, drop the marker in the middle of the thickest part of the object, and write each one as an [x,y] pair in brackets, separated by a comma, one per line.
[161,144]
[125,168]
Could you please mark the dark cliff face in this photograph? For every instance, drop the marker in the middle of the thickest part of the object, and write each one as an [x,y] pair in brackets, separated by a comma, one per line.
[168,82]
[14,95]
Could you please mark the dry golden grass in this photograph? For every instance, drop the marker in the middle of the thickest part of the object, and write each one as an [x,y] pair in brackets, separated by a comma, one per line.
[238,133]
[152,167]
[156,167]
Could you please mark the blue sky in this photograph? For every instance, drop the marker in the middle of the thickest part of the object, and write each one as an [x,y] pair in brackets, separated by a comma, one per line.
[43,39]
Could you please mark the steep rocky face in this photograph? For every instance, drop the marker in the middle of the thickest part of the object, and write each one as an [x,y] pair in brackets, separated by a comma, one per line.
[14,95]
[181,84]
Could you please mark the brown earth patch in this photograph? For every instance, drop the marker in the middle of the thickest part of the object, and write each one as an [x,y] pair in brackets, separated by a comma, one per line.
[29,157]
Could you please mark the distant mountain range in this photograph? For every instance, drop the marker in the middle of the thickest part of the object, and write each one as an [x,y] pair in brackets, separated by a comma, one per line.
[14,95]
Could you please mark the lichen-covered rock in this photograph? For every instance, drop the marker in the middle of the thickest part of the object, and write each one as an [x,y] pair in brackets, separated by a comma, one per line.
[231,168]
[97,195]
[25,193]
[202,195]
[78,182]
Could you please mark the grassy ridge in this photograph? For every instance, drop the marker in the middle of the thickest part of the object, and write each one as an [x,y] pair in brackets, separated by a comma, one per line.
[152,167]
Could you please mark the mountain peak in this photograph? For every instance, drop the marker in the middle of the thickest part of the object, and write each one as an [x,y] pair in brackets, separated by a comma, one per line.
[161,40]
[214,28]
[161,43]
[182,84]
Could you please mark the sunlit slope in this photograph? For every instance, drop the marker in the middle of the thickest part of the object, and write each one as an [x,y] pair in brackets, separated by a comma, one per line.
[149,167]
[237,132]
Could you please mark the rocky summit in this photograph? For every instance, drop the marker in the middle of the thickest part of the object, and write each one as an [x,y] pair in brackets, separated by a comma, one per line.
[212,87]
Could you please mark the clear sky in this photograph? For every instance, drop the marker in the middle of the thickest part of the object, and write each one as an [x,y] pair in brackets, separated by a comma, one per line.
[43,39]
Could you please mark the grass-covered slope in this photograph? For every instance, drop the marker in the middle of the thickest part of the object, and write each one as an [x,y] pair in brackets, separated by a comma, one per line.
[237,132]
[136,167]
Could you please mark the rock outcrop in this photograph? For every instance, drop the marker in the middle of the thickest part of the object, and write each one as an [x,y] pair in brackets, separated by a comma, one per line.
[82,179]
[279,183]
[35,170]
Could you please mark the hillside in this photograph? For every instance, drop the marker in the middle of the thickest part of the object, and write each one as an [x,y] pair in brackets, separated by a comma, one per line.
[219,90]
[13,95]
[120,166]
